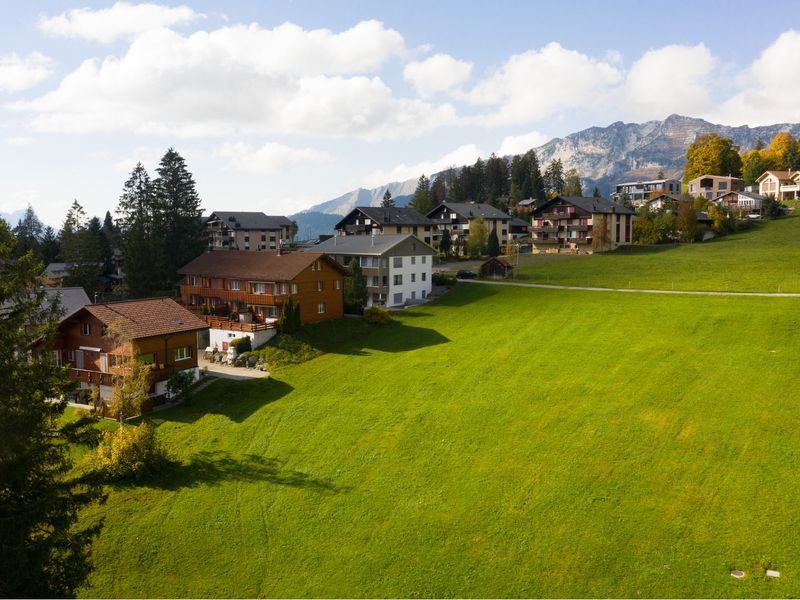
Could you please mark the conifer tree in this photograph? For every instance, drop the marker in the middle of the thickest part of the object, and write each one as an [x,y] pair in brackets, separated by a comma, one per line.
[493,244]
[28,233]
[421,201]
[81,250]
[445,243]
[388,201]
[355,287]
[43,553]
[554,178]
[572,183]
[50,246]
[438,190]
[142,250]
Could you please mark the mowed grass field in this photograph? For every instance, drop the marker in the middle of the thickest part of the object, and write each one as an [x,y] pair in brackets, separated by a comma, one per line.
[763,259]
[497,442]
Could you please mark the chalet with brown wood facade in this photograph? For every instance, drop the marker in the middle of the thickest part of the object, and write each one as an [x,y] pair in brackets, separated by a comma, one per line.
[159,331]
[456,218]
[581,224]
[243,292]
[379,220]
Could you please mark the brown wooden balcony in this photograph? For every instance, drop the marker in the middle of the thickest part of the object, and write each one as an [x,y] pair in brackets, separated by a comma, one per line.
[545,229]
[555,215]
[228,325]
[230,295]
[577,228]
[546,241]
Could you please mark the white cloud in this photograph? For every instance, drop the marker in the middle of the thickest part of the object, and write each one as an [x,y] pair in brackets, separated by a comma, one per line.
[18,73]
[241,79]
[269,158]
[768,90]
[149,156]
[519,144]
[466,154]
[122,20]
[672,79]
[439,73]
[19,140]
[537,84]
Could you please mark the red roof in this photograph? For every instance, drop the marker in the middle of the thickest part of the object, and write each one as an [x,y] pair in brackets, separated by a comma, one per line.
[245,264]
[148,317]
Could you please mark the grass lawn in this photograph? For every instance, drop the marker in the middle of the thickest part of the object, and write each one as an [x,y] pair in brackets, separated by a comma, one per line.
[497,442]
[764,259]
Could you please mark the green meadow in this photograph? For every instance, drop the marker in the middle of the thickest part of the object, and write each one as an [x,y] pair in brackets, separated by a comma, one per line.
[763,259]
[498,442]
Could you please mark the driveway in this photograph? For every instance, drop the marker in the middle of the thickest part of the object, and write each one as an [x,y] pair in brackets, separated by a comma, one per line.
[228,372]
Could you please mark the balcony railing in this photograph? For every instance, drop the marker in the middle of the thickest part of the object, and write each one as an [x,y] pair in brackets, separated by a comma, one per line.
[545,229]
[546,241]
[577,228]
[555,215]
[228,325]
[230,295]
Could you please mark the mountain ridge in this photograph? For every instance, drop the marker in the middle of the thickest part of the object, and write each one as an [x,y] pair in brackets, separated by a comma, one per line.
[604,156]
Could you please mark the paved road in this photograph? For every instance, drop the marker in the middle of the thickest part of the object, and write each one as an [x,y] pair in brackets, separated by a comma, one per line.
[632,291]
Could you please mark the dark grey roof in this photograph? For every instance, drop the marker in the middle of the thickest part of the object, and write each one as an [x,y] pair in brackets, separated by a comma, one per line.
[528,202]
[366,245]
[468,210]
[249,220]
[591,204]
[517,222]
[390,216]
[70,298]
[57,269]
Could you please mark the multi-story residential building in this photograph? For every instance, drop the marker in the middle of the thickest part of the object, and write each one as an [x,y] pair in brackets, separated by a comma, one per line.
[371,220]
[661,201]
[456,217]
[247,231]
[158,331]
[781,185]
[397,267]
[584,224]
[640,192]
[243,292]
[711,186]
[742,202]
[518,228]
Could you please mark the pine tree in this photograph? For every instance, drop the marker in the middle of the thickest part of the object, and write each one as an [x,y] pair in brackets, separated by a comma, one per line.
[445,243]
[495,181]
[50,246]
[421,202]
[43,554]
[554,178]
[537,187]
[660,174]
[28,233]
[438,190]
[355,288]
[596,192]
[80,249]
[143,251]
[493,244]
[388,201]
[179,226]
[572,183]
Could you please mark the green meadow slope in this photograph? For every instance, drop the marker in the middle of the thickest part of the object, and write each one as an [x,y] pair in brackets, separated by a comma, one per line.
[764,259]
[497,442]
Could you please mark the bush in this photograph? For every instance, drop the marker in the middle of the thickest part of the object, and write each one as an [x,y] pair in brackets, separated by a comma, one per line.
[443,279]
[129,453]
[205,310]
[377,316]
[284,350]
[242,344]
[179,383]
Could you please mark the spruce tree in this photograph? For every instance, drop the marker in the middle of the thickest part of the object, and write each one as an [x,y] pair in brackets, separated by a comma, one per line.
[179,226]
[355,288]
[43,554]
[388,201]
[596,192]
[28,233]
[493,244]
[50,246]
[142,250]
[554,178]
[421,202]
[438,190]
[80,249]
[445,243]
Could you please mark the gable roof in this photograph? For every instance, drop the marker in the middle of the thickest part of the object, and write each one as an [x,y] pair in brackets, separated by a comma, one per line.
[747,194]
[469,210]
[248,220]
[148,317]
[501,260]
[663,197]
[517,222]
[590,204]
[368,245]
[244,264]
[388,216]
[57,269]
[70,299]
[527,202]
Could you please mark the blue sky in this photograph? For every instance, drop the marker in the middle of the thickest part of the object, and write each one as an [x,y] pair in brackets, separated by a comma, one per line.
[280,105]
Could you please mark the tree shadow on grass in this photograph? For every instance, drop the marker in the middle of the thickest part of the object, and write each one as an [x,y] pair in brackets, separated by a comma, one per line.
[394,337]
[236,400]
[211,468]
[464,293]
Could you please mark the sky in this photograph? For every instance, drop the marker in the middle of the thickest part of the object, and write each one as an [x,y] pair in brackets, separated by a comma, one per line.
[280,105]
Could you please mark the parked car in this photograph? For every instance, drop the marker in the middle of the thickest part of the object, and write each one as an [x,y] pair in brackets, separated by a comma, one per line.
[464,274]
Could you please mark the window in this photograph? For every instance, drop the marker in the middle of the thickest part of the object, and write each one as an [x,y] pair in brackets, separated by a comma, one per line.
[413,278]
[104,330]
[424,293]
[338,284]
[193,280]
[424,259]
[413,295]
[247,239]
[398,280]
[320,308]
[320,286]
[398,298]
[284,289]
[260,288]
[317,266]
[86,328]
[398,262]
[723,185]
[294,288]
[147,359]
[424,274]
[385,280]
[413,260]
[235,285]
[263,237]
[183,353]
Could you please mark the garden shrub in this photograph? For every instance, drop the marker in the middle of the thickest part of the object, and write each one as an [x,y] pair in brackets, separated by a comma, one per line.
[443,279]
[130,452]
[377,316]
[284,349]
[179,383]
[242,344]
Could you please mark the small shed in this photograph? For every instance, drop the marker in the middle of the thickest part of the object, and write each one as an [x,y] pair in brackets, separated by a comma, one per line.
[497,268]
